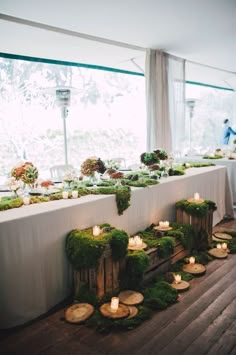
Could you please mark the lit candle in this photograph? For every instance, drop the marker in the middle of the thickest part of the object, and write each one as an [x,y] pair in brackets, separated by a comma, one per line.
[218,246]
[138,240]
[114,304]
[224,246]
[75,194]
[177,278]
[161,224]
[131,242]
[166,224]
[96,231]
[196,196]
[192,260]
[26,200]
[65,194]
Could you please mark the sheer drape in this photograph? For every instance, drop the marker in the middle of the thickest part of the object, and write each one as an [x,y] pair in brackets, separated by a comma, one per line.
[176,92]
[158,123]
[165,97]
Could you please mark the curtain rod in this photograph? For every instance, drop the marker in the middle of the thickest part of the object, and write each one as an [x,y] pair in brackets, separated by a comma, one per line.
[68,32]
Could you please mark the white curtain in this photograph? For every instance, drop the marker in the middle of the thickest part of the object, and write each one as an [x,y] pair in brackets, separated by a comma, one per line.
[176,91]
[165,97]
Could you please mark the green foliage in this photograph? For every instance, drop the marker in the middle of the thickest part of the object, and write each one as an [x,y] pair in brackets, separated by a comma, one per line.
[176,171]
[106,325]
[196,165]
[84,250]
[7,203]
[149,158]
[185,233]
[166,247]
[196,209]
[214,157]
[160,296]
[85,295]
[123,196]
[136,264]
[119,242]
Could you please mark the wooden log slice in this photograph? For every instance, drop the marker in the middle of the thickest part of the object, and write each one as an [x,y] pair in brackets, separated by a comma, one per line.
[122,311]
[133,311]
[194,269]
[135,247]
[78,312]
[162,229]
[218,253]
[181,286]
[192,200]
[223,236]
[130,298]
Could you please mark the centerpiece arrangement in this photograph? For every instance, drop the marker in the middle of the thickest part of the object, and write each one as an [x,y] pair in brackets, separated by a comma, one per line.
[25,172]
[92,165]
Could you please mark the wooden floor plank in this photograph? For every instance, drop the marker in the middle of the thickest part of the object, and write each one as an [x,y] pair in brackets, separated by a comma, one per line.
[227,343]
[163,337]
[214,332]
[160,320]
[199,325]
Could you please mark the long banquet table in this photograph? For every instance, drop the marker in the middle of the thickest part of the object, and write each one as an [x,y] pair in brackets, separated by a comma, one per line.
[34,272]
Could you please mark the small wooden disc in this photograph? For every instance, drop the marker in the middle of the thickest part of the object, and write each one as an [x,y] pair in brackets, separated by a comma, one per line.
[130,298]
[218,253]
[195,269]
[122,311]
[133,311]
[223,236]
[192,200]
[135,247]
[162,229]
[78,312]
[181,286]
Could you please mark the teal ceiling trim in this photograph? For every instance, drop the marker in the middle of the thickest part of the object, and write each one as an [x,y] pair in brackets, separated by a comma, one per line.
[208,85]
[72,64]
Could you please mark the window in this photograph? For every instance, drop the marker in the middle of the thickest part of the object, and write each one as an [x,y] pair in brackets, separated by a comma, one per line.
[106,117]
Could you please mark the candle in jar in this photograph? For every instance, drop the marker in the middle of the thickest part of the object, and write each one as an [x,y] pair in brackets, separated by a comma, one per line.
[114,304]
[26,200]
[224,246]
[218,246]
[196,196]
[65,194]
[192,260]
[131,242]
[177,278]
[75,194]
[96,231]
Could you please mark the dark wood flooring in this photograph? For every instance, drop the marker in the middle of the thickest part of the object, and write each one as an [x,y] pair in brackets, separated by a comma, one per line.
[202,322]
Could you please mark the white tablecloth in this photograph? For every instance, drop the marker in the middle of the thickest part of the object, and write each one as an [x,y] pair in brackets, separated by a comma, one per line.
[230,165]
[34,272]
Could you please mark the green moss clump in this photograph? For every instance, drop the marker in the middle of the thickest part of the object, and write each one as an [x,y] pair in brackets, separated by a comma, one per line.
[166,247]
[216,156]
[85,295]
[84,250]
[119,242]
[160,296]
[196,209]
[7,203]
[185,233]
[123,196]
[136,264]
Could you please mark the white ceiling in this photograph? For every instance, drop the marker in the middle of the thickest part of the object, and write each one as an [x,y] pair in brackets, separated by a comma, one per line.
[111,32]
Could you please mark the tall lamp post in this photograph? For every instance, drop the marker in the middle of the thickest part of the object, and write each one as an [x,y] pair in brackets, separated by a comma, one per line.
[190,104]
[63,97]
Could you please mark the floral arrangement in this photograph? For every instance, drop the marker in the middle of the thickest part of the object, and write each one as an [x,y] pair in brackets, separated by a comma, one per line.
[13,184]
[92,165]
[161,153]
[25,172]
[46,184]
[117,175]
